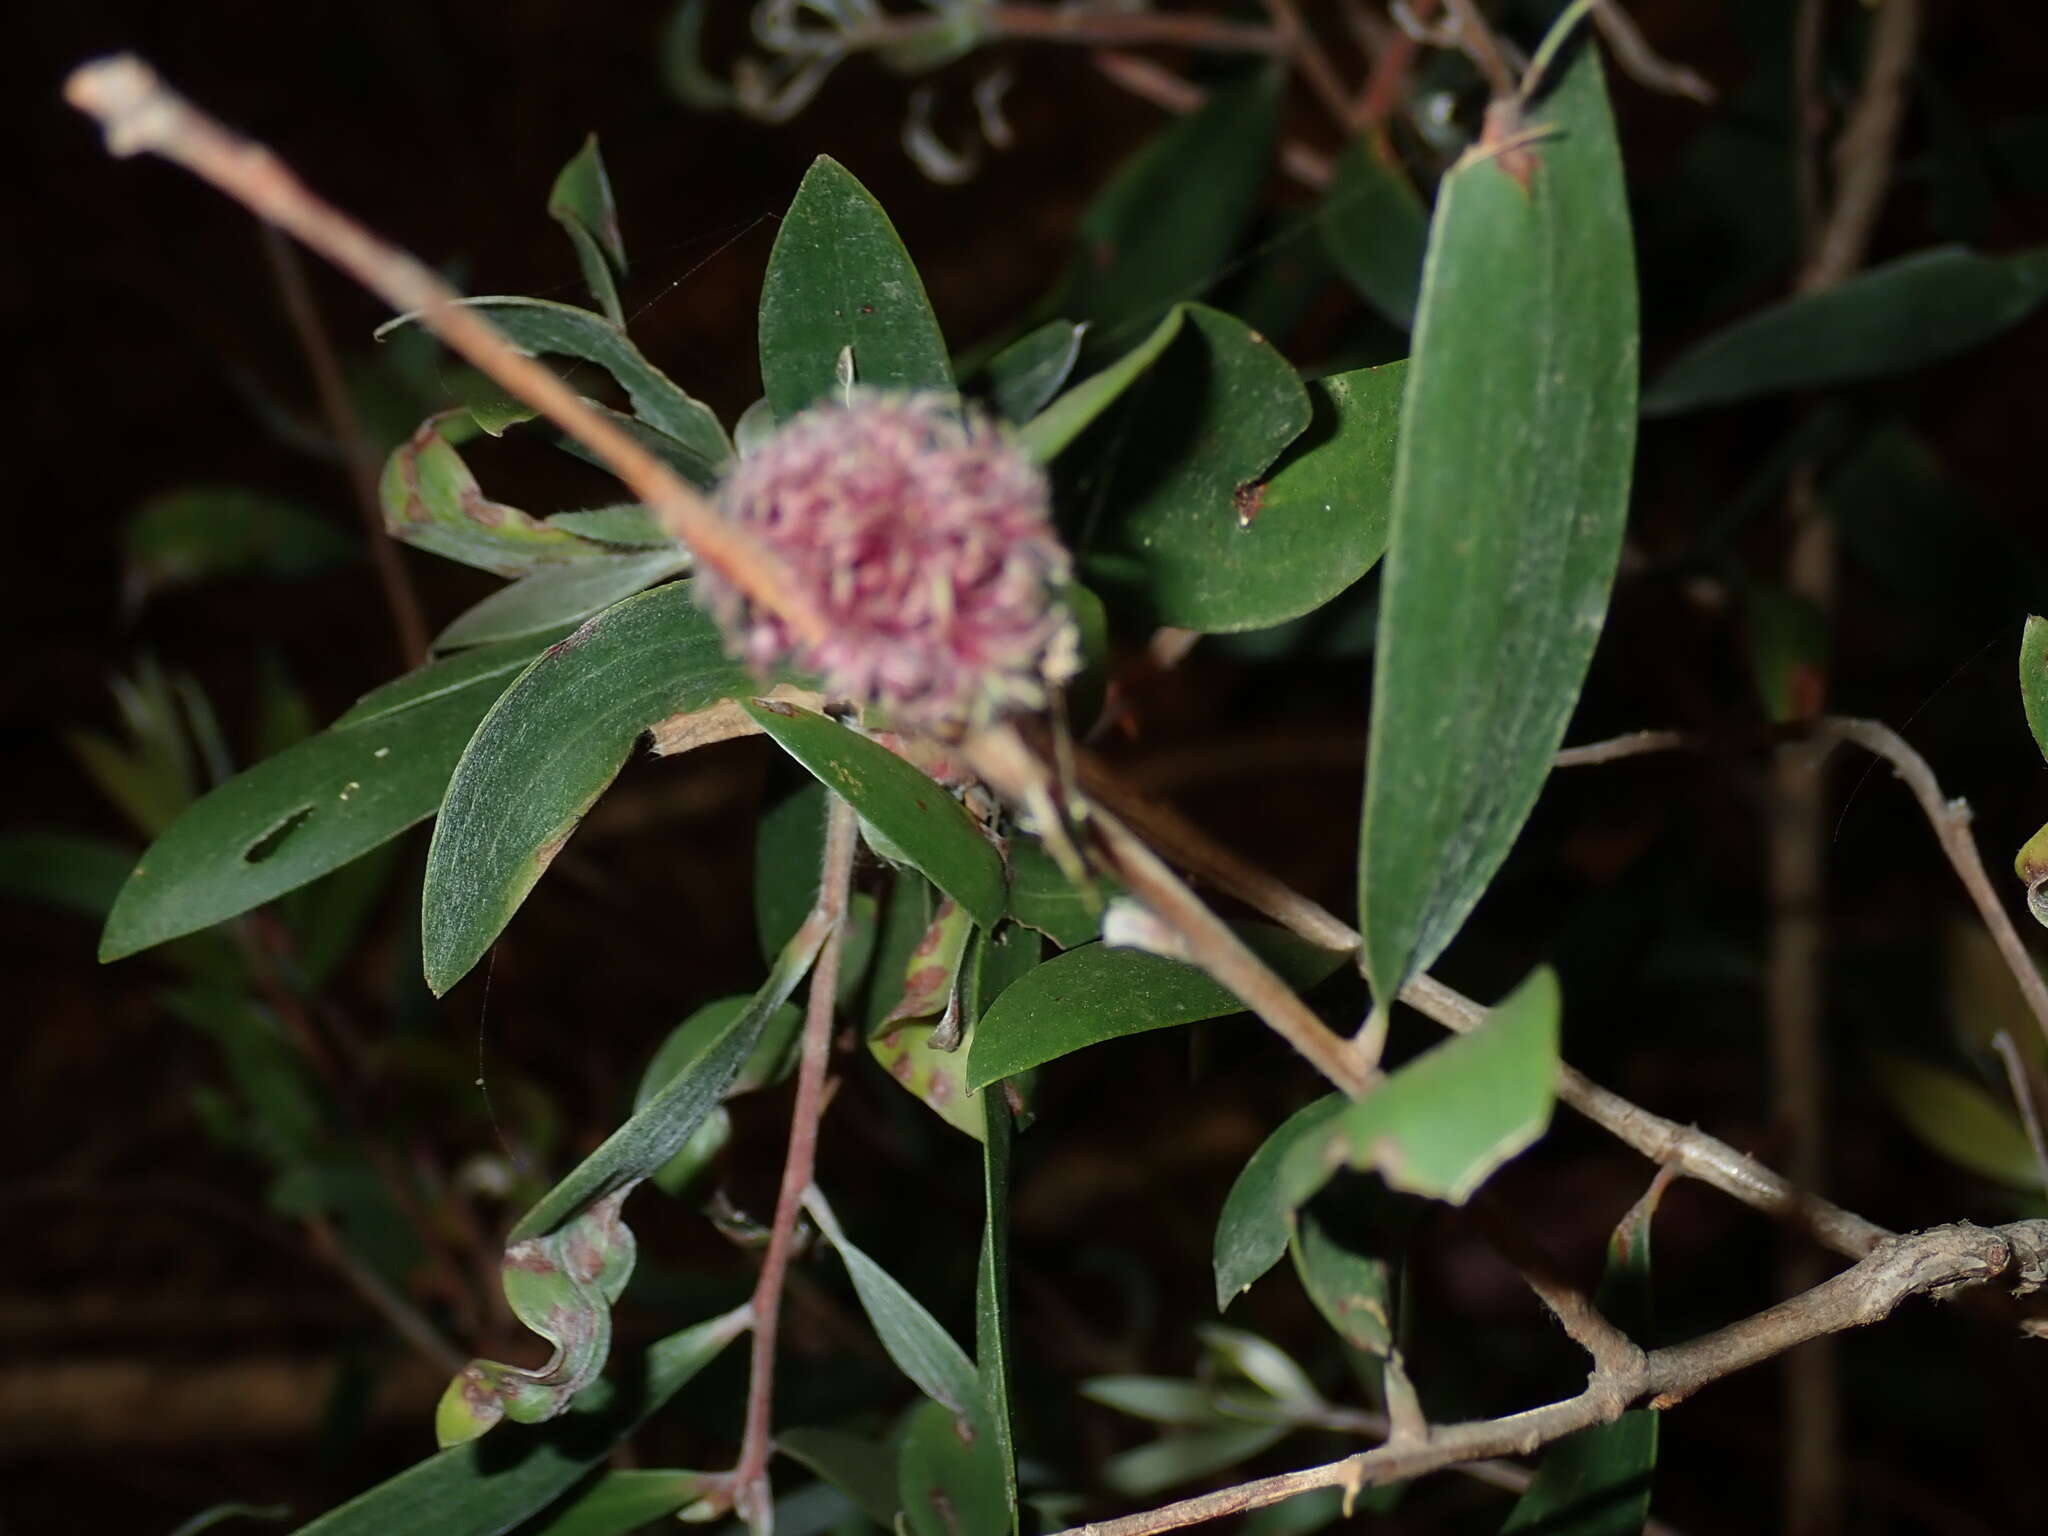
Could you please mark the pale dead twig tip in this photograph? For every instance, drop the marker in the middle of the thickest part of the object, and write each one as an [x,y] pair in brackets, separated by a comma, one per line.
[127,98]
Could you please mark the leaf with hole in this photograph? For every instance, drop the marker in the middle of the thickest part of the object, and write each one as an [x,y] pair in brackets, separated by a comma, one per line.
[1097,993]
[544,754]
[1906,314]
[581,202]
[839,278]
[377,770]
[1511,485]
[916,819]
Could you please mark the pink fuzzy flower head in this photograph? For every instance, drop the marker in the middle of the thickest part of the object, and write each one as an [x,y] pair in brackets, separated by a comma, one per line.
[922,532]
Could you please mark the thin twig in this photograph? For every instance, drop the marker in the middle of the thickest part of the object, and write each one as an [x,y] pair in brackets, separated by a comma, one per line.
[1950,820]
[1863,151]
[752,1498]
[339,407]
[1613,750]
[140,113]
[1938,1261]
[1640,62]
[2021,1082]
[1314,63]
[1476,38]
[1154,82]
[1123,29]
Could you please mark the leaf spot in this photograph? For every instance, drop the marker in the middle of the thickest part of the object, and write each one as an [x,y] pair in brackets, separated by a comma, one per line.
[268,844]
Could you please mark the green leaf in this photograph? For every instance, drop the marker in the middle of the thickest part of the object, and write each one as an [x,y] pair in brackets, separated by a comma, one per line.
[544,754]
[219,1514]
[183,538]
[432,502]
[789,843]
[1096,993]
[1593,1483]
[837,278]
[2034,679]
[63,871]
[1027,373]
[540,327]
[1071,414]
[921,823]
[618,1503]
[922,1350]
[858,1468]
[774,1053]
[992,1299]
[581,202]
[377,770]
[1375,228]
[1962,1121]
[682,64]
[1510,489]
[627,526]
[1179,1459]
[566,594]
[662,1123]
[947,1478]
[1351,1284]
[1317,523]
[1173,214]
[1042,897]
[1891,319]
[1788,651]
[485,1488]
[1188,537]
[1159,1399]
[1449,1118]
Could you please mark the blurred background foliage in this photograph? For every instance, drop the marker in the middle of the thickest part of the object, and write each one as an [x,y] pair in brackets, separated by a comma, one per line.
[236,1166]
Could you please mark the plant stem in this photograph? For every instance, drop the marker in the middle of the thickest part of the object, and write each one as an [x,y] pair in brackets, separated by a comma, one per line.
[140,113]
[751,1494]
[340,410]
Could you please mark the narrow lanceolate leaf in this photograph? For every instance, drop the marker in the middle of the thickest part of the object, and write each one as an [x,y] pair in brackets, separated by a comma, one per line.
[917,821]
[992,1297]
[1961,1120]
[1186,535]
[581,202]
[1066,418]
[1030,370]
[1510,490]
[619,1503]
[1096,993]
[1891,319]
[1449,1118]
[921,1348]
[839,278]
[1375,228]
[1171,217]
[857,1467]
[2034,679]
[561,595]
[484,1489]
[432,502]
[377,770]
[547,751]
[1257,1218]
[186,537]
[541,327]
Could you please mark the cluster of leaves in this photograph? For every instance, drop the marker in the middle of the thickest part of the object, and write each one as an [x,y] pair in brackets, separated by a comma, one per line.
[1205,484]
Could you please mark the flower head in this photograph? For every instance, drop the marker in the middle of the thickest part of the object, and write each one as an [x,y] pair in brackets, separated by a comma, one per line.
[922,532]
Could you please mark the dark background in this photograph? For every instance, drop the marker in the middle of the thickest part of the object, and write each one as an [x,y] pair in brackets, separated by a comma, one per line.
[149,344]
